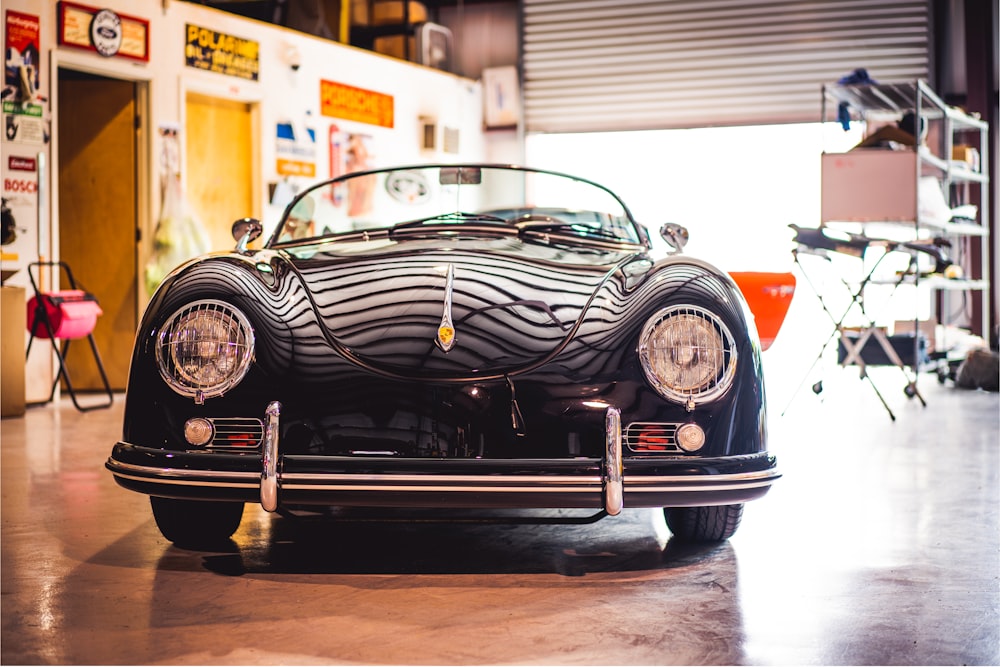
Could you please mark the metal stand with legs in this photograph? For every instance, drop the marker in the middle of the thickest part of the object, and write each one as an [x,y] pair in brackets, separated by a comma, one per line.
[65,315]
[853,347]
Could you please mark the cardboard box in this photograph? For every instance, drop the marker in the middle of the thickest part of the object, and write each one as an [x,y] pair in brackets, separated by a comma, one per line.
[967,154]
[13,332]
[385,12]
[928,328]
[869,185]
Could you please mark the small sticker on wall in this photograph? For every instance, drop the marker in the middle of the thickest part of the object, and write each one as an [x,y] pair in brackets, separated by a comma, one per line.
[295,148]
[23,123]
[450,140]
[16,163]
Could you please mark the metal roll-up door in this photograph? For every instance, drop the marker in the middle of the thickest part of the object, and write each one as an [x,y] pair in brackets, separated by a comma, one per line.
[602,65]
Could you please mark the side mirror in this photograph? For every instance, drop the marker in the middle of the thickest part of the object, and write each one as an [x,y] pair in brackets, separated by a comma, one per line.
[246,230]
[675,235]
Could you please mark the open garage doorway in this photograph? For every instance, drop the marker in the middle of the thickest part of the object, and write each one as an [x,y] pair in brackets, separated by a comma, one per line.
[99,133]
[737,189]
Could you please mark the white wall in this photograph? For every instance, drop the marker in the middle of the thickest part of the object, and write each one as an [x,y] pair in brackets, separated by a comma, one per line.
[419,92]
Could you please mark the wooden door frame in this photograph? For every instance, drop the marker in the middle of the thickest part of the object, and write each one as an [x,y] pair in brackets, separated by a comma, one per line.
[143,167]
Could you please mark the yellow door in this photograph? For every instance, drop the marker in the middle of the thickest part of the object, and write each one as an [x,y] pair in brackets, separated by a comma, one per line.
[97,129]
[219,169]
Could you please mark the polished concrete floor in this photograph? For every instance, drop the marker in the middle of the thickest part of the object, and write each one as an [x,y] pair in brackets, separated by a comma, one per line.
[880,545]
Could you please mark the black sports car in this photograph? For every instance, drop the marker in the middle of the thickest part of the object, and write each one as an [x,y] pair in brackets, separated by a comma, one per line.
[449,336]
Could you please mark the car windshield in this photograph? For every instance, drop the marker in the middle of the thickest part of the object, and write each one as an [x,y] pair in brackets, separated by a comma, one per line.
[450,199]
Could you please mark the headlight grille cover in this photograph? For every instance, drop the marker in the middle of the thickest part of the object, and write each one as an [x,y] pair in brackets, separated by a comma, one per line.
[205,348]
[688,354]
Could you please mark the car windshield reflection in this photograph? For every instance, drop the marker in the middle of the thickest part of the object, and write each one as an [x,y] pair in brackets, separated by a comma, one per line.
[444,198]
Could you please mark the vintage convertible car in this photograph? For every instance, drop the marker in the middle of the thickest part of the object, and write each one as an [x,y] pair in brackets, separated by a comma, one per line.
[467,337]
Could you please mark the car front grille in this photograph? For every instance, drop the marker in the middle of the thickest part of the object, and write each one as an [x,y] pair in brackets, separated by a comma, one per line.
[236,434]
[652,438]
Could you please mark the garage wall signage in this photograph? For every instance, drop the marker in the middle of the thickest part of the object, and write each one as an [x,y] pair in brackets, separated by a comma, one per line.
[104,31]
[15,163]
[21,74]
[295,149]
[366,106]
[22,123]
[22,113]
[218,52]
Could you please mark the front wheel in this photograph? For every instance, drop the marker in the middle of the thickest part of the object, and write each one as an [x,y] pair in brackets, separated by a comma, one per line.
[703,524]
[196,524]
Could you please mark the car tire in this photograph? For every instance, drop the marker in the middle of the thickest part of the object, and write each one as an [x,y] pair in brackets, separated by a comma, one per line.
[703,524]
[196,524]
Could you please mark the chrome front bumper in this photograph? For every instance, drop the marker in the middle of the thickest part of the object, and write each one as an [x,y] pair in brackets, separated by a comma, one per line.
[580,483]
[612,481]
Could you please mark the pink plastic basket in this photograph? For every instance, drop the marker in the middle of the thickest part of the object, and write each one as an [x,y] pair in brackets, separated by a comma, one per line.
[72,313]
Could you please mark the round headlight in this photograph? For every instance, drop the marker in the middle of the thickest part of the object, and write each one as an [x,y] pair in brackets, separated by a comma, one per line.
[205,349]
[688,354]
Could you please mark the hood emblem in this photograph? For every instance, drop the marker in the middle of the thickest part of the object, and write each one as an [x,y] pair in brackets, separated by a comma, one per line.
[446,330]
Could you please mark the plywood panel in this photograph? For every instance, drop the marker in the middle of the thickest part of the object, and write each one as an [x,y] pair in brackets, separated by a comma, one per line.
[219,164]
[97,215]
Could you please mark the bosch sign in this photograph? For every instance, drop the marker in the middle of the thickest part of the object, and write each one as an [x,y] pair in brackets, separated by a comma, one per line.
[20,185]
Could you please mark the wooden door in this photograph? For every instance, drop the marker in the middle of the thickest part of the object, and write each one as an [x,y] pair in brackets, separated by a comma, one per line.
[219,165]
[98,228]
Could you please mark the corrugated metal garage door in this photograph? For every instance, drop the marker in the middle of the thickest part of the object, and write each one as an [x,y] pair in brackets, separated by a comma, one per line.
[596,65]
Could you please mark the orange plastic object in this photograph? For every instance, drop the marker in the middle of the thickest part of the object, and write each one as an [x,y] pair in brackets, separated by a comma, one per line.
[768,295]
[71,314]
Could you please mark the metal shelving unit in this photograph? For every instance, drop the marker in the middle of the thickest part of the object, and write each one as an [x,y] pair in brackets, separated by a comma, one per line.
[854,199]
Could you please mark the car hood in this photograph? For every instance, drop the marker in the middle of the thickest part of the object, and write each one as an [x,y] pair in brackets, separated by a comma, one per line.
[461,311]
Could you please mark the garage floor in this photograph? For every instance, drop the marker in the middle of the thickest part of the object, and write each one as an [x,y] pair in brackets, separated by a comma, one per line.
[881,545]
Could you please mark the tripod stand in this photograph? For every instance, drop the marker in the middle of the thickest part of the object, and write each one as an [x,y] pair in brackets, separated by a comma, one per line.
[816,242]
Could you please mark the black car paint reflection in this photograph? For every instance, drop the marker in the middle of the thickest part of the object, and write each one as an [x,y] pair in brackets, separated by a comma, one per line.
[546,336]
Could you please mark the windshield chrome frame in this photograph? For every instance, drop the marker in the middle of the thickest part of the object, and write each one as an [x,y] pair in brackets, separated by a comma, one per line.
[275,240]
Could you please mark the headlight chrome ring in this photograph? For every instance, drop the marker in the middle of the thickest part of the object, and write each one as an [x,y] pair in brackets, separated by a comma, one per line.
[205,349]
[688,354]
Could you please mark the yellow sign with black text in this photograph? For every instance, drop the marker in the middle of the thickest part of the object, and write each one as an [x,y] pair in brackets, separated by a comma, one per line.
[218,52]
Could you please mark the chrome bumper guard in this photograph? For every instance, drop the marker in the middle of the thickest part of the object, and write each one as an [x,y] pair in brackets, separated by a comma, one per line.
[612,477]
[613,492]
[269,474]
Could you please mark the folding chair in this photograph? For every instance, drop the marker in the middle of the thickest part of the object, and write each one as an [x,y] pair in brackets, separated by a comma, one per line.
[65,315]
[817,242]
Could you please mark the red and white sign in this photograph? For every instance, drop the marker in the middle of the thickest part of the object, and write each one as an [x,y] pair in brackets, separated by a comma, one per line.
[21,163]
[19,186]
